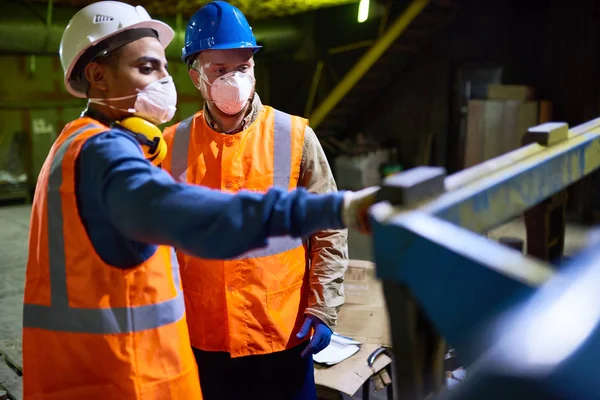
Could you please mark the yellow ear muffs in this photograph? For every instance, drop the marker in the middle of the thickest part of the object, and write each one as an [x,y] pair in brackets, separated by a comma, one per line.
[148,136]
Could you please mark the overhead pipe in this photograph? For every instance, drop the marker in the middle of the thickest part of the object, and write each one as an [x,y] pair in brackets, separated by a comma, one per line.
[23,32]
[366,62]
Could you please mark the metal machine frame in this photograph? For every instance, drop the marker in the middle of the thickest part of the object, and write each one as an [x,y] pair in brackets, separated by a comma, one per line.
[442,278]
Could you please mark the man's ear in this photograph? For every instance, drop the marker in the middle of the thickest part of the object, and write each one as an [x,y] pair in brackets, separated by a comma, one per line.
[194,76]
[96,75]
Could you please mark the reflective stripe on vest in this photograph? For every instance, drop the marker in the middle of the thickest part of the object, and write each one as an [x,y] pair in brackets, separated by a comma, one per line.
[181,144]
[282,164]
[59,316]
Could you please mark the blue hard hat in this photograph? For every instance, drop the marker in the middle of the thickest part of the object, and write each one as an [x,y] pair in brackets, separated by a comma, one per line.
[217,26]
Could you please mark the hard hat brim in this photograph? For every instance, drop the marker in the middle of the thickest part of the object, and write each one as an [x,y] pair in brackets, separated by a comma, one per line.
[223,46]
[165,37]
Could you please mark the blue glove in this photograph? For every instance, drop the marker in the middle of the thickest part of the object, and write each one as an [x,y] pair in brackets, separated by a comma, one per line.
[321,337]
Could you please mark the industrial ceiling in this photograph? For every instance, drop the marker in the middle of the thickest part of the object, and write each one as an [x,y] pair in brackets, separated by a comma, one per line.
[253,9]
[36,26]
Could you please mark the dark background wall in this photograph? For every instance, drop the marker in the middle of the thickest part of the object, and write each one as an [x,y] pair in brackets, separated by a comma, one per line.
[551,45]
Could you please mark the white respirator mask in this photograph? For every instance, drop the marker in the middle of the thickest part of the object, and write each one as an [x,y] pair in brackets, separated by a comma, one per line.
[155,103]
[230,92]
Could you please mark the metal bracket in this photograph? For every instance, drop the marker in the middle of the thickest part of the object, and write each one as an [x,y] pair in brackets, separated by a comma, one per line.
[412,186]
[547,134]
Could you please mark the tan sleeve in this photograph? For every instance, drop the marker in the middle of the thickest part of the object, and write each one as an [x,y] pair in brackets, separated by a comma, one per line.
[328,249]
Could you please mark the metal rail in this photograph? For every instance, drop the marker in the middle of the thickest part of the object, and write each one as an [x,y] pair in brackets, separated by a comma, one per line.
[486,195]
[437,235]
[426,233]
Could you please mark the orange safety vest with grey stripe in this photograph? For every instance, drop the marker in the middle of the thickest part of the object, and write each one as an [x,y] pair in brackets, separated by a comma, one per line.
[255,303]
[90,330]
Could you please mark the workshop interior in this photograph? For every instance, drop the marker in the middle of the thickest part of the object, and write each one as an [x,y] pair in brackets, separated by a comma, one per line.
[480,122]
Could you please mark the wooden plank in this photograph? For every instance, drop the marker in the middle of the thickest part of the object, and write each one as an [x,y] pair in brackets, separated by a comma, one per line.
[529,116]
[474,137]
[493,129]
[509,137]
[510,92]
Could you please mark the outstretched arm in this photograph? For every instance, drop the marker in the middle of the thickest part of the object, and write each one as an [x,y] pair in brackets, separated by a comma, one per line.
[147,205]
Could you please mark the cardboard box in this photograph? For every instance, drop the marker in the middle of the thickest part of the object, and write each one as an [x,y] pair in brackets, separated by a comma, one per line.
[510,92]
[360,246]
[360,284]
[349,375]
[364,316]
[367,324]
[361,171]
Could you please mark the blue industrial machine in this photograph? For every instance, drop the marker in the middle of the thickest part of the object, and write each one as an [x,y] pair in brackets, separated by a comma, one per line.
[522,326]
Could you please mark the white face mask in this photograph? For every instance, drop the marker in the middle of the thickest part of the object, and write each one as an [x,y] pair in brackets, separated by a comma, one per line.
[230,92]
[155,103]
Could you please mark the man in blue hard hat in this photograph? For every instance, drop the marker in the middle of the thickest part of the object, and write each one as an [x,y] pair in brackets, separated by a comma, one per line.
[252,318]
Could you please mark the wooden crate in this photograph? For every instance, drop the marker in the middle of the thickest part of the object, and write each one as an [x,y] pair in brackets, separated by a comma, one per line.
[495,127]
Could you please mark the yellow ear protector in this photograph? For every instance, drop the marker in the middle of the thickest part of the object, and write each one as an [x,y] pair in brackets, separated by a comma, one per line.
[148,136]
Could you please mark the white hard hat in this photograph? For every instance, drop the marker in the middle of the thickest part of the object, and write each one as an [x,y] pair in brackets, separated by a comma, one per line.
[98,22]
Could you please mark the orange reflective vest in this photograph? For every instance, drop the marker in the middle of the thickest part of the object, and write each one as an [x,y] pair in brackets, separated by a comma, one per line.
[90,330]
[253,304]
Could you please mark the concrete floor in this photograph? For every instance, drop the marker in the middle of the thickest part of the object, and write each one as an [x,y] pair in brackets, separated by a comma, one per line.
[14,231]
[14,222]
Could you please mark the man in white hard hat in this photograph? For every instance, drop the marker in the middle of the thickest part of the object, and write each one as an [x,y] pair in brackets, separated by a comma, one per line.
[263,315]
[103,313]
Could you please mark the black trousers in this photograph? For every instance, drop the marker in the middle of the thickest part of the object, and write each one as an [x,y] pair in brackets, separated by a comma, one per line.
[277,376]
